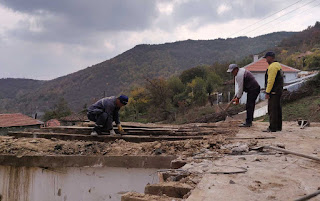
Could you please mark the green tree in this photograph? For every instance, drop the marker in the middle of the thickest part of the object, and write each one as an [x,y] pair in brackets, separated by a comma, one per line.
[161,107]
[138,101]
[313,61]
[198,86]
[188,75]
[175,85]
[213,82]
[60,109]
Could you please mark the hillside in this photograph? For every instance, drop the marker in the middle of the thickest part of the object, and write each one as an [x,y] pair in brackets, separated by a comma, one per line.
[118,74]
[11,89]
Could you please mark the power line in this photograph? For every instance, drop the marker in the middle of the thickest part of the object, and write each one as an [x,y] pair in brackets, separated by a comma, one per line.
[298,13]
[279,17]
[265,18]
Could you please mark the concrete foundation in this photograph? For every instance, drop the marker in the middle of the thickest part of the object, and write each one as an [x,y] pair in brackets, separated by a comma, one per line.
[76,178]
[72,184]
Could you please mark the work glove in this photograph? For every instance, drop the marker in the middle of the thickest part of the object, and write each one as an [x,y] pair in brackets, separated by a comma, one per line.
[235,100]
[120,129]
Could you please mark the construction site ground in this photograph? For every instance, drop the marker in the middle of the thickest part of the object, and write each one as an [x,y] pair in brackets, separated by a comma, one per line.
[217,161]
[274,176]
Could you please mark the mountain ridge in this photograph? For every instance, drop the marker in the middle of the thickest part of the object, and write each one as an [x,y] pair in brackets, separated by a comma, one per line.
[118,74]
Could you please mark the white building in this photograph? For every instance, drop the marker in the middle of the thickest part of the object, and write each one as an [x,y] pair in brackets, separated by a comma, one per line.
[258,68]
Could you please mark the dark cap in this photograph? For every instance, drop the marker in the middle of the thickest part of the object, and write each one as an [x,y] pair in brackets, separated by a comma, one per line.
[123,99]
[270,54]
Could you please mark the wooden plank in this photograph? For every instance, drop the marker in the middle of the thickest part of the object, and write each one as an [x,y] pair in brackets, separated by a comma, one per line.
[133,131]
[101,138]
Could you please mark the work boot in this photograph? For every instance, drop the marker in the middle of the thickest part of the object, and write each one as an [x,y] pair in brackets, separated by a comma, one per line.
[269,130]
[96,131]
[113,133]
[245,125]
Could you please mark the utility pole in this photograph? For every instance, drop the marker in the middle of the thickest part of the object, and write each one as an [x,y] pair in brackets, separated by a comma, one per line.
[217,98]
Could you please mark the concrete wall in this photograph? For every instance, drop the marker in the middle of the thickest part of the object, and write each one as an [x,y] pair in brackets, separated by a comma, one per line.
[4,131]
[72,183]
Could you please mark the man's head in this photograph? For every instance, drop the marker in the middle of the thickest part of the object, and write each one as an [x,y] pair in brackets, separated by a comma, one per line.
[233,68]
[270,56]
[122,101]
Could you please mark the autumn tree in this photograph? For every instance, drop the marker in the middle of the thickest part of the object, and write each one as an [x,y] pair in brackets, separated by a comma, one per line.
[159,98]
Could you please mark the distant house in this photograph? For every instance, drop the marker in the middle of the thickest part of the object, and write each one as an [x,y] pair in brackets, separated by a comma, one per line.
[52,123]
[258,68]
[17,121]
[73,119]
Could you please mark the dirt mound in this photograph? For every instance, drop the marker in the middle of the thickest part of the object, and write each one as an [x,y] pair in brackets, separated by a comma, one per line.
[39,146]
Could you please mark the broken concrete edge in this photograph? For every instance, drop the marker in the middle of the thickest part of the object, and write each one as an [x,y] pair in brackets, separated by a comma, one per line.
[134,196]
[87,161]
[171,189]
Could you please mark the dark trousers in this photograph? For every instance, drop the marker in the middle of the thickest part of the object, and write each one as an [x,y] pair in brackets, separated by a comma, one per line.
[251,103]
[275,112]
[101,119]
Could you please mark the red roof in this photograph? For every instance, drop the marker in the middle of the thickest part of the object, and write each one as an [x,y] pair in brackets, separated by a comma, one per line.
[74,117]
[261,66]
[17,119]
[53,123]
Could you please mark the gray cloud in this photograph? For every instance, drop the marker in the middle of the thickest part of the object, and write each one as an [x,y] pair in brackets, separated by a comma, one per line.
[76,20]
[54,38]
[206,11]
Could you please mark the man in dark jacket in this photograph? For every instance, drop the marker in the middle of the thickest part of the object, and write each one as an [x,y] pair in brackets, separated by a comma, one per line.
[274,87]
[246,83]
[104,112]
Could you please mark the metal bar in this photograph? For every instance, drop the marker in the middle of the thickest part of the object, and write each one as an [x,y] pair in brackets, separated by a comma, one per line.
[307,197]
[291,152]
[250,138]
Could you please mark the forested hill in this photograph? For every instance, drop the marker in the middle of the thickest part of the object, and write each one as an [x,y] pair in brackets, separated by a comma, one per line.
[11,87]
[118,74]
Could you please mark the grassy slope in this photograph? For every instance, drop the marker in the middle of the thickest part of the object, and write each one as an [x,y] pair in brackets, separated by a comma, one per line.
[304,108]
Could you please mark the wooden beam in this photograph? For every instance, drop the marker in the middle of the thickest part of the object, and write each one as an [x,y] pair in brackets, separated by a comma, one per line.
[102,138]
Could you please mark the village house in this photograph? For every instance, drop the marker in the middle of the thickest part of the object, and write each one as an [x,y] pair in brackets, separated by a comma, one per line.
[17,121]
[52,123]
[73,119]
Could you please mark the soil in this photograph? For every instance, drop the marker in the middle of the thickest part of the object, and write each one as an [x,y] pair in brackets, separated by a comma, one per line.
[53,146]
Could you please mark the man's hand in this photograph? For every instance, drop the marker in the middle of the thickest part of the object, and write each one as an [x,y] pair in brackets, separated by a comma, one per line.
[235,100]
[120,129]
[267,96]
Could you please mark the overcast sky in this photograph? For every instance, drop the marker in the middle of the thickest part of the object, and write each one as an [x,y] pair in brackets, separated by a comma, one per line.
[45,39]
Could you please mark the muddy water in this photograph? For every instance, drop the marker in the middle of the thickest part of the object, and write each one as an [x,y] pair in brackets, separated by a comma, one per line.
[72,184]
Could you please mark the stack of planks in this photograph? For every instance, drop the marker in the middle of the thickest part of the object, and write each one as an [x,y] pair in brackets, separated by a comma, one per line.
[135,132]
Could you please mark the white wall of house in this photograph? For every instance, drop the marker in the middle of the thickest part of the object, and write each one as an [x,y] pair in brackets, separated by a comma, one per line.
[290,76]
